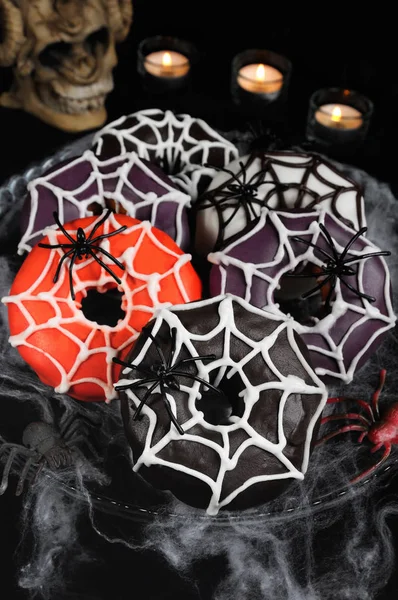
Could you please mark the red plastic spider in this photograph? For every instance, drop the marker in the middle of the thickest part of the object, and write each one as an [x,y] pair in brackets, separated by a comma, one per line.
[381,430]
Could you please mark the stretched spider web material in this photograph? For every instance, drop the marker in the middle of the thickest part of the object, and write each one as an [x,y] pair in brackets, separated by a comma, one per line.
[142,294]
[225,367]
[86,185]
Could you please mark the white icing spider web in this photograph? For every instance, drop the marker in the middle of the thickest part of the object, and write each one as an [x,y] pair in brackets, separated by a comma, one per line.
[73,339]
[322,336]
[179,143]
[287,385]
[91,184]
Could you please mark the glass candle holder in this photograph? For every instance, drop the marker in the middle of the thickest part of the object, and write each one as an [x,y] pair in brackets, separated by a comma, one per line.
[165,63]
[259,78]
[338,117]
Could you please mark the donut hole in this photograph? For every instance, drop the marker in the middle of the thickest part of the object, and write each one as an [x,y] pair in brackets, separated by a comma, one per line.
[289,296]
[104,308]
[220,408]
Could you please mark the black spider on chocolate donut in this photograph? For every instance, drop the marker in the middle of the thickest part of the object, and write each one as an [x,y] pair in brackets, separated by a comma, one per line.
[337,266]
[83,247]
[163,374]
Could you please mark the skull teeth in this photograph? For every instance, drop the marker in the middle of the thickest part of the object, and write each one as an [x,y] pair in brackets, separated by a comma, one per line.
[71,106]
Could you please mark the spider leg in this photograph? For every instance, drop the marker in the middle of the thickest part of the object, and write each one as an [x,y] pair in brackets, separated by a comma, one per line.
[361,403]
[55,245]
[103,265]
[40,466]
[115,260]
[62,228]
[317,287]
[357,258]
[386,454]
[352,241]
[98,224]
[376,395]
[144,400]
[355,416]
[329,240]
[193,359]
[173,335]
[107,235]
[200,380]
[72,262]
[297,238]
[64,257]
[6,472]
[157,346]
[344,429]
[22,478]
[170,412]
[127,365]
[135,385]
[357,292]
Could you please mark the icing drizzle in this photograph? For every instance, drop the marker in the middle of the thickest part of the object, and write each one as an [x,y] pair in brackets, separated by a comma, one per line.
[143,292]
[280,181]
[226,365]
[120,183]
[259,281]
[180,143]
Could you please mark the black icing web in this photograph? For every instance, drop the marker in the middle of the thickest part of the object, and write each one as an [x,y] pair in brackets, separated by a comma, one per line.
[83,247]
[336,265]
[163,374]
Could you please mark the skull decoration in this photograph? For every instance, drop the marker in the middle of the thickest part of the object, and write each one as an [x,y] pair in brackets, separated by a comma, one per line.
[63,53]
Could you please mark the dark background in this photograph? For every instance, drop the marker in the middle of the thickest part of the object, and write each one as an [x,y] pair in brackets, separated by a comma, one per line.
[327,47]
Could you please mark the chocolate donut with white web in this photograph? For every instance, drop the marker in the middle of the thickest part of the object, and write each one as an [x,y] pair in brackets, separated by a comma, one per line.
[220,404]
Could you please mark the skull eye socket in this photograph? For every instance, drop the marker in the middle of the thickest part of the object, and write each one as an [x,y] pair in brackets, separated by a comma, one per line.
[96,40]
[53,55]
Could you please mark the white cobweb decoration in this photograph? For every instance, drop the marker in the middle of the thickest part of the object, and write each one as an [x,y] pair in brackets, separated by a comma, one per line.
[226,366]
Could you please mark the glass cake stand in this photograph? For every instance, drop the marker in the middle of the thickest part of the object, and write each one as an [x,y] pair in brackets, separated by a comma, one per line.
[332,466]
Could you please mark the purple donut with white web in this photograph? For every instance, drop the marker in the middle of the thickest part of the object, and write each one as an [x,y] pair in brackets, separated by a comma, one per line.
[86,186]
[311,269]
[220,404]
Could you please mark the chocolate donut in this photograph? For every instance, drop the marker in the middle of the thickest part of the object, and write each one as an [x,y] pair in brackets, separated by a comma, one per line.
[277,180]
[83,186]
[342,277]
[220,403]
[51,319]
[187,149]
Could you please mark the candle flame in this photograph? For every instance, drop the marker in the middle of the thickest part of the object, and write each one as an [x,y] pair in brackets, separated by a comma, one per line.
[260,73]
[166,59]
[336,114]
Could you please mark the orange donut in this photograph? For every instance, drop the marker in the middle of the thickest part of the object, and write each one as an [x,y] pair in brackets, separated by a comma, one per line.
[47,325]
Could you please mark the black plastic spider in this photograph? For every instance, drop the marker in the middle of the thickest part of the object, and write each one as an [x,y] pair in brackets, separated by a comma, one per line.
[83,247]
[163,374]
[337,266]
[237,193]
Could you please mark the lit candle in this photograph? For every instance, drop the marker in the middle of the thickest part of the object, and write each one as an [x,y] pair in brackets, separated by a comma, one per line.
[260,79]
[167,63]
[339,116]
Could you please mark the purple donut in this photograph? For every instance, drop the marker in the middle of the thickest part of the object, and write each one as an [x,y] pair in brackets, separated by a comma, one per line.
[291,264]
[85,186]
